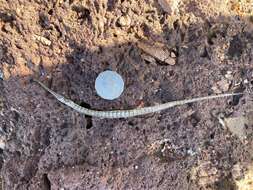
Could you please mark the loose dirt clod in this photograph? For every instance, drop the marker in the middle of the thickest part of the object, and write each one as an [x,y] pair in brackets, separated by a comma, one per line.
[157,51]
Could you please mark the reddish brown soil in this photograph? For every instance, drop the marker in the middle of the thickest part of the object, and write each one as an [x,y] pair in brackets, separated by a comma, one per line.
[67,43]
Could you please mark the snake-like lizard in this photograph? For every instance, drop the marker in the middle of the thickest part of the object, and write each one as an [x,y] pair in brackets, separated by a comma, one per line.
[128,113]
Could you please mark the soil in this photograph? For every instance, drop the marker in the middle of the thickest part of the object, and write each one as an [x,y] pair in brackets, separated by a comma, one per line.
[204,47]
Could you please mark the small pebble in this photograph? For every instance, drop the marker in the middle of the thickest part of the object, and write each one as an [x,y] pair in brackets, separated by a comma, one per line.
[7,27]
[172,54]
[229,75]
[246,81]
[109,85]
[43,40]
[124,21]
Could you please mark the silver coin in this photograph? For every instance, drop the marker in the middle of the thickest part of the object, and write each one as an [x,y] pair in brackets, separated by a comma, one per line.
[109,85]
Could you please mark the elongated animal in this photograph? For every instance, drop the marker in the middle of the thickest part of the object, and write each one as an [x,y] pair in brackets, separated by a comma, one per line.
[132,112]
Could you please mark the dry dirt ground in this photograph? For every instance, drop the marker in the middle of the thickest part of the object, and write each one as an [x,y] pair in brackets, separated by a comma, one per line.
[165,50]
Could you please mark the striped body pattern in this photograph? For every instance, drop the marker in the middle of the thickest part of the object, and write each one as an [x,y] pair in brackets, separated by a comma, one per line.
[132,112]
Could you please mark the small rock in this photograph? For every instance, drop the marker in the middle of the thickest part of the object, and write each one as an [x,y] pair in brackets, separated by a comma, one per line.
[229,75]
[172,54]
[43,40]
[246,81]
[158,51]
[7,27]
[170,61]
[237,126]
[124,21]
